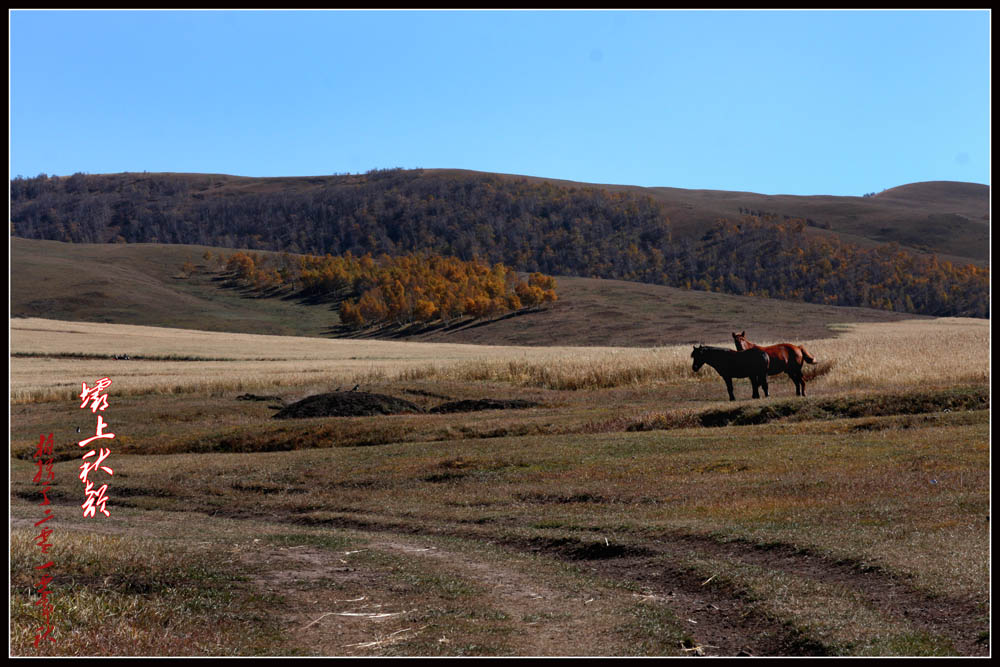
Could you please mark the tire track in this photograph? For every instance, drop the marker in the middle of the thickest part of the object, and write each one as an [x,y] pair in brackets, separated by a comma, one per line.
[961,621]
[729,618]
[893,595]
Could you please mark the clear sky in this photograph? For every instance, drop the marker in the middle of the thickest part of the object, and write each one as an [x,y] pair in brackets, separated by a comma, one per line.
[778,102]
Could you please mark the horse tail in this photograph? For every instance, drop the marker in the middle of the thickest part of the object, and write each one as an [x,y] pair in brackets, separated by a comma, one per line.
[808,357]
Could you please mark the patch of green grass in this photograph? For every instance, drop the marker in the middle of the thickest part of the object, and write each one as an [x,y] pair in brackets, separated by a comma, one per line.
[655,630]
[916,644]
[448,613]
[444,586]
[116,595]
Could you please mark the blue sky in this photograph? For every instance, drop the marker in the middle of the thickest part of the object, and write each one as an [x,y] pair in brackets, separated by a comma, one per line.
[777,102]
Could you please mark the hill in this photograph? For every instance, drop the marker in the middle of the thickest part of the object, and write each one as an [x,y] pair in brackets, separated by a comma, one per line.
[538,225]
[143,284]
[946,218]
[950,219]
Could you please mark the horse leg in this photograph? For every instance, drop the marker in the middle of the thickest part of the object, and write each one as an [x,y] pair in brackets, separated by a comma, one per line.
[800,384]
[763,383]
[729,388]
[795,381]
[755,383]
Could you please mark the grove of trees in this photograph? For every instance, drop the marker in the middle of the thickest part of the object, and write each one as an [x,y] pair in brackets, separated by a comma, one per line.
[416,287]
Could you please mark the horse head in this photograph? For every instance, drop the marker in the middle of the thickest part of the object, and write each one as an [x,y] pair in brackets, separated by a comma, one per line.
[699,358]
[741,340]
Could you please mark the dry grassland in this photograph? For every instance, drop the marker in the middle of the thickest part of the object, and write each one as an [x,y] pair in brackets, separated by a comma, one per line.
[938,352]
[554,530]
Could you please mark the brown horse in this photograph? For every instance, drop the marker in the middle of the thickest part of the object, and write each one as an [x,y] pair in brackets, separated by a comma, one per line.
[784,358]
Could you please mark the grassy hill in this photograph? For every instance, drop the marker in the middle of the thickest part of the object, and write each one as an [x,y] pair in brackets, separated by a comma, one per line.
[144,284]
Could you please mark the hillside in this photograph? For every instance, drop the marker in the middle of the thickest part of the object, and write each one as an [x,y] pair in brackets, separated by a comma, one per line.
[947,218]
[743,246]
[143,284]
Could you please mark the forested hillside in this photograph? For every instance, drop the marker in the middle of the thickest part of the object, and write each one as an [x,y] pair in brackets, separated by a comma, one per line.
[388,211]
[530,225]
[778,260]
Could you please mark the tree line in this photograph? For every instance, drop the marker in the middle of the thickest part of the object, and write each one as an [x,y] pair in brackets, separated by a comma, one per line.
[529,226]
[534,226]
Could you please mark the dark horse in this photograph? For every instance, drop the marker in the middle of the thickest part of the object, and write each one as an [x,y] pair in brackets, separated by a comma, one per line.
[784,358]
[729,364]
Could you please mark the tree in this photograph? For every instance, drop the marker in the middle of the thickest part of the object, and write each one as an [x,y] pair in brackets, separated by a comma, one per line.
[350,315]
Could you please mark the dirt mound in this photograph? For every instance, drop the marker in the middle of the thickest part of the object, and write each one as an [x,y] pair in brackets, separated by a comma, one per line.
[254,397]
[363,404]
[471,405]
[346,404]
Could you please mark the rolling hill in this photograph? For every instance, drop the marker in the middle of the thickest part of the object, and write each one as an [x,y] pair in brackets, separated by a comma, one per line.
[950,219]
[918,248]
[143,284]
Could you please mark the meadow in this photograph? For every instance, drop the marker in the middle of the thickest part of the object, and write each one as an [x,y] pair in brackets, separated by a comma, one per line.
[880,355]
[634,511]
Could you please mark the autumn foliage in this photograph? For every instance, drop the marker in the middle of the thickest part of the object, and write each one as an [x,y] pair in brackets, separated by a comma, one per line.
[779,260]
[524,224]
[417,287]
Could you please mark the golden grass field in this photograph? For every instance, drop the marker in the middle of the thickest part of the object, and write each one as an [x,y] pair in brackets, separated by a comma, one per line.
[609,520]
[931,352]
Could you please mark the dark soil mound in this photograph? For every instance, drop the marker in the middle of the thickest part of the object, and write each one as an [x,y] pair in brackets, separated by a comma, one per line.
[346,404]
[255,397]
[472,405]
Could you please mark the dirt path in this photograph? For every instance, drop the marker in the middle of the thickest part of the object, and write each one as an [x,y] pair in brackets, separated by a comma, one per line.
[550,618]
[341,601]
[555,621]
[337,608]
[719,616]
